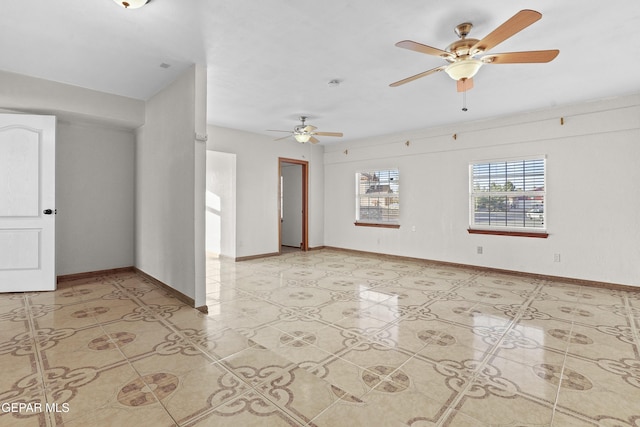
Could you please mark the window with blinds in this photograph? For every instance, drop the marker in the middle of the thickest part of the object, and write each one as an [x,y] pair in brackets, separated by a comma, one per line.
[508,194]
[378,197]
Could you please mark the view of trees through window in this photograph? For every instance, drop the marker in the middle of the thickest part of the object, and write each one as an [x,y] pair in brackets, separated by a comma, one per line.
[378,196]
[508,194]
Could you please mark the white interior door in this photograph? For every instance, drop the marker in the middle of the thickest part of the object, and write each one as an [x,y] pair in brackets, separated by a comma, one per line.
[27,203]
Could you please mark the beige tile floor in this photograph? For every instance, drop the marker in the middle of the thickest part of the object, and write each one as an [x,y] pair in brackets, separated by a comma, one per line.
[324,338]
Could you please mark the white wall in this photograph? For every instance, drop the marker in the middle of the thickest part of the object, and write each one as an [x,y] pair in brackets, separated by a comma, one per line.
[199,183]
[94,198]
[221,204]
[292,205]
[169,168]
[592,180]
[38,96]
[257,187]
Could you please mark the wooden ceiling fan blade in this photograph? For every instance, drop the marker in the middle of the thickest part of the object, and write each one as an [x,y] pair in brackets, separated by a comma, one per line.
[284,137]
[464,85]
[423,48]
[272,130]
[526,57]
[417,76]
[328,133]
[309,128]
[313,140]
[512,26]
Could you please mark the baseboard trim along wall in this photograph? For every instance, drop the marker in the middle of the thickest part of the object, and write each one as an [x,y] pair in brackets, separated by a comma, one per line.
[250,257]
[204,309]
[91,274]
[258,256]
[177,294]
[573,281]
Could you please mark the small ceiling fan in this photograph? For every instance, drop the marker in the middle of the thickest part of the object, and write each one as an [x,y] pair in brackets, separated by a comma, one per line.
[305,133]
[461,54]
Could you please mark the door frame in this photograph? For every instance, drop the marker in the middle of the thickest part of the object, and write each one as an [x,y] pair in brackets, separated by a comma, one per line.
[304,246]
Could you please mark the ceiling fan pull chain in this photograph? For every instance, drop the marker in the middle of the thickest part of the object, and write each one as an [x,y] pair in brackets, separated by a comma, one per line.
[464,101]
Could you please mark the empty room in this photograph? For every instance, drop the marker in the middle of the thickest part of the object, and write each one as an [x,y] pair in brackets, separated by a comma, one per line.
[363,213]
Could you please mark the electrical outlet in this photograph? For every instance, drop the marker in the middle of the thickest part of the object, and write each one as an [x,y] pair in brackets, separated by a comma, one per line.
[479,250]
[556,257]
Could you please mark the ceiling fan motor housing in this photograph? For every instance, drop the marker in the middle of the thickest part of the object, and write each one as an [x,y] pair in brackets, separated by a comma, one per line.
[461,49]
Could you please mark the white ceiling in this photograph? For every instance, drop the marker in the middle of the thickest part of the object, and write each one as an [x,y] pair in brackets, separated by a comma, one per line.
[270,61]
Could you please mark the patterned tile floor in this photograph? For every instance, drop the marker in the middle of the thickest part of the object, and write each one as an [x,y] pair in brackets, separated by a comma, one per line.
[325,338]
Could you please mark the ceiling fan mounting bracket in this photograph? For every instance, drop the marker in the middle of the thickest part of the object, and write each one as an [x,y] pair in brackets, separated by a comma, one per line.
[463,30]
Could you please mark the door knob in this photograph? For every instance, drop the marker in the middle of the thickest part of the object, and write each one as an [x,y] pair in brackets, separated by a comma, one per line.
[47,211]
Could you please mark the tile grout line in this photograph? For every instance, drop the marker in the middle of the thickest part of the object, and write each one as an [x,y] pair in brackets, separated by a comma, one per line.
[575,322]
[460,284]
[116,284]
[632,323]
[501,335]
[564,363]
[39,361]
[218,362]
[512,324]
[171,327]
[330,355]
[489,355]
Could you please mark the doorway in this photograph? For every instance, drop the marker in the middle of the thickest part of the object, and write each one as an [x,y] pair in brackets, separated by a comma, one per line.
[27,203]
[293,203]
[220,214]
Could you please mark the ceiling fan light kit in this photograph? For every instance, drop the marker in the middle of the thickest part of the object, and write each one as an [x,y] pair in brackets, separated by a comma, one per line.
[131,4]
[463,69]
[302,137]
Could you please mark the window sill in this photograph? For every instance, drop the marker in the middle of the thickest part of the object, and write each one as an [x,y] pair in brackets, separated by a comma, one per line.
[541,235]
[372,224]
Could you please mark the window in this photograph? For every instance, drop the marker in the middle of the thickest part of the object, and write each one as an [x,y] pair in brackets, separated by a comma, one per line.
[378,198]
[508,195]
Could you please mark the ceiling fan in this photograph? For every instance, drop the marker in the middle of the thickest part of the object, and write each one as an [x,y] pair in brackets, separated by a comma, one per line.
[305,133]
[461,54]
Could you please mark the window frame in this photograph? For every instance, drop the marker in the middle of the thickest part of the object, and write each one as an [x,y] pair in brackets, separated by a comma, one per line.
[507,230]
[383,223]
